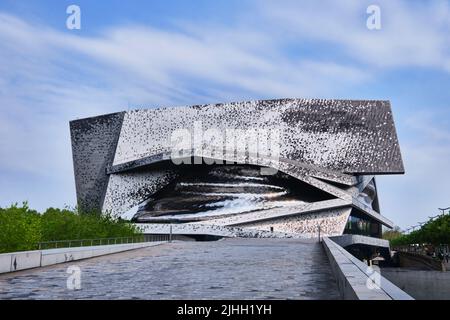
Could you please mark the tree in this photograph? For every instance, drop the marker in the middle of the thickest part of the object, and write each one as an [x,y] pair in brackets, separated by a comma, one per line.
[392,234]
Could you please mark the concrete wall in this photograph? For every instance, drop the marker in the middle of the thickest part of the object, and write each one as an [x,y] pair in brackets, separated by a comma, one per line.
[350,239]
[25,260]
[355,280]
[15,261]
[421,284]
[418,261]
[5,263]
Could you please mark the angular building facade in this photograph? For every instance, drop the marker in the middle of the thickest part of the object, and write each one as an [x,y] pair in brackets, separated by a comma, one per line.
[317,171]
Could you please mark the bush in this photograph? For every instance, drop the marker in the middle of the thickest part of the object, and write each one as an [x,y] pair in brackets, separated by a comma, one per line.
[391,235]
[434,232]
[22,228]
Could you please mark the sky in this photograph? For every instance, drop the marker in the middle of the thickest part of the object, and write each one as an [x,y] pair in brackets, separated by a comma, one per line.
[143,54]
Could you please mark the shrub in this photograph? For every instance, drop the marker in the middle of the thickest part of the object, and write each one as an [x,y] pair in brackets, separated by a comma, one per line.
[22,228]
[393,234]
[434,232]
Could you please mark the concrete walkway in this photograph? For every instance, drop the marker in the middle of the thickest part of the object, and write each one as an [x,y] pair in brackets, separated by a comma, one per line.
[226,269]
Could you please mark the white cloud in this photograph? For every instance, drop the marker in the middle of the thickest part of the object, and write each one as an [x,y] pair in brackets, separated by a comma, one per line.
[425,149]
[412,33]
[49,76]
[415,196]
[431,126]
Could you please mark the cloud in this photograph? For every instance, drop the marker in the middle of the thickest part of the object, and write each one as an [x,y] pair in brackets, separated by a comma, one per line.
[413,33]
[416,196]
[50,76]
[431,127]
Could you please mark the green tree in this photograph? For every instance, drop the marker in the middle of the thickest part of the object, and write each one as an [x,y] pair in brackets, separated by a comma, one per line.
[433,232]
[20,228]
[392,234]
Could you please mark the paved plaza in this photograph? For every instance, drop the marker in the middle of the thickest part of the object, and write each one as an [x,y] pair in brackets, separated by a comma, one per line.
[225,269]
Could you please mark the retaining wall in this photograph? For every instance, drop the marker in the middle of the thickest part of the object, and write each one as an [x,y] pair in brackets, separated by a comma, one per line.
[16,261]
[356,281]
[421,284]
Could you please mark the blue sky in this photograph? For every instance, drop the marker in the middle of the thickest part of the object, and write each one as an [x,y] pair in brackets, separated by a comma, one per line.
[136,54]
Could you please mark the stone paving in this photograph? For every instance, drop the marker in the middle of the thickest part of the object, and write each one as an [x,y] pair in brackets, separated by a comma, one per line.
[225,269]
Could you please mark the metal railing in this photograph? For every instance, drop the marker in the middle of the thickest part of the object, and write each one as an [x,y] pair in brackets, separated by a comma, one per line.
[103,241]
[440,252]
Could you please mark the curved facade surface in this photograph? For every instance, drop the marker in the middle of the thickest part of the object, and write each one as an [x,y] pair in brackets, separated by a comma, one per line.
[322,165]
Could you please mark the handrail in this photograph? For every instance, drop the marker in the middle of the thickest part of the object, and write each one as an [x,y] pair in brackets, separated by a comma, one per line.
[356,280]
[101,241]
[439,252]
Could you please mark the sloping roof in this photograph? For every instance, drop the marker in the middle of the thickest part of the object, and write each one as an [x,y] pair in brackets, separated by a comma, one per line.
[347,136]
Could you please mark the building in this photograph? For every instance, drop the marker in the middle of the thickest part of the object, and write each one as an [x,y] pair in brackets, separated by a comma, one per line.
[315,173]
